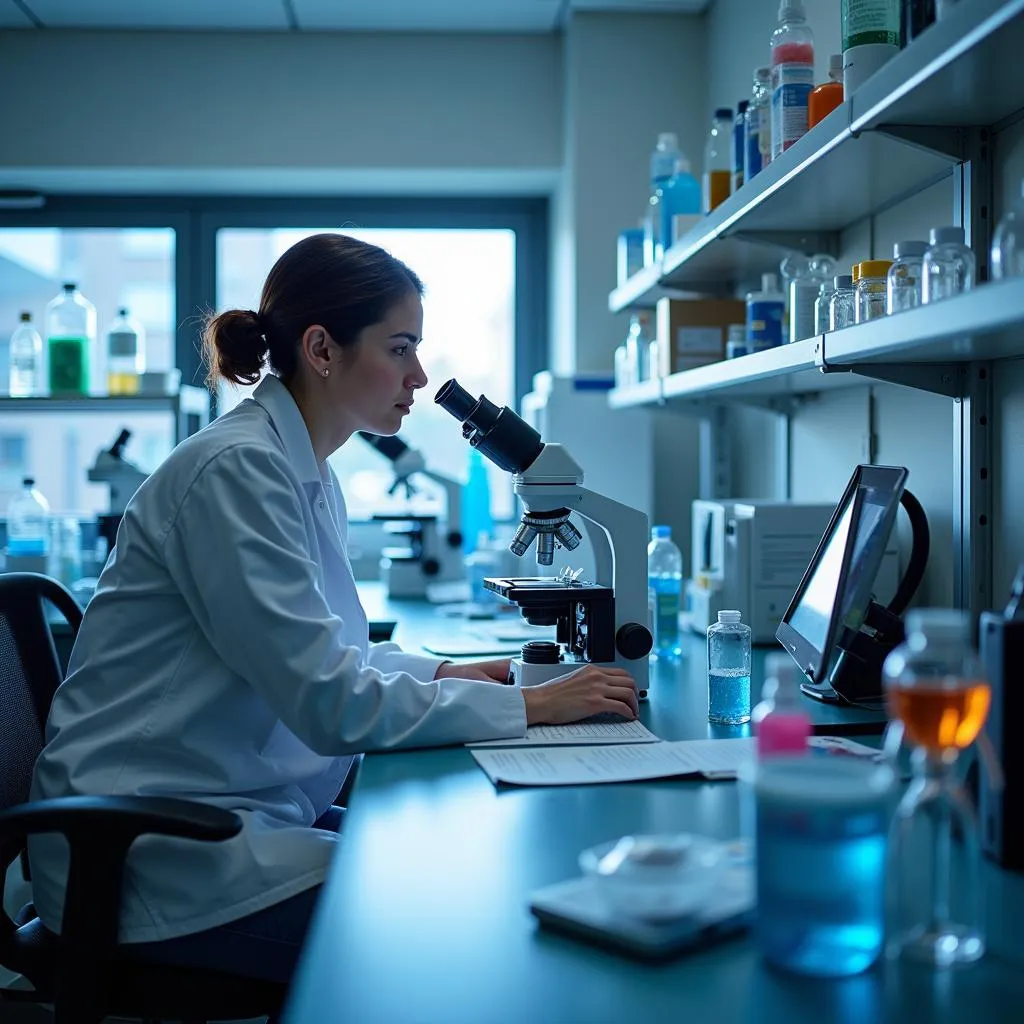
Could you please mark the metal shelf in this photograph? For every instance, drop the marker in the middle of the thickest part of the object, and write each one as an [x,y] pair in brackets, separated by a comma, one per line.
[895,136]
[985,323]
[190,406]
[646,393]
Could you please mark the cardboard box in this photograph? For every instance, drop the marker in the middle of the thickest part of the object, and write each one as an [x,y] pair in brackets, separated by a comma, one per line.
[693,332]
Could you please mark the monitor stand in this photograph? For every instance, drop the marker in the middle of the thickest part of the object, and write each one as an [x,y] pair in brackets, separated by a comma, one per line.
[820,691]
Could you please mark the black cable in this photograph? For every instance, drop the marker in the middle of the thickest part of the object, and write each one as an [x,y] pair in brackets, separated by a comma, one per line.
[920,546]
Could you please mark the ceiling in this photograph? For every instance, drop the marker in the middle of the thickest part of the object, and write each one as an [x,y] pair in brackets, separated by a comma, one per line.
[319,15]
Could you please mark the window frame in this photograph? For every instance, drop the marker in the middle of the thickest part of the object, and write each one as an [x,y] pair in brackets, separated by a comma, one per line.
[196,220]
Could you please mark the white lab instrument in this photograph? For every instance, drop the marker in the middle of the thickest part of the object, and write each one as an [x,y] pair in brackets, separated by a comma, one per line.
[600,622]
[123,478]
[432,550]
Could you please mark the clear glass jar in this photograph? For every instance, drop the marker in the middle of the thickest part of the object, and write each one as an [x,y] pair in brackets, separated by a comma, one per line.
[1008,243]
[842,303]
[903,282]
[825,290]
[948,265]
[871,287]
[935,686]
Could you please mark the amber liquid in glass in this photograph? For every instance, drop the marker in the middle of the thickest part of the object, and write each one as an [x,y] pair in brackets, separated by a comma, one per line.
[941,719]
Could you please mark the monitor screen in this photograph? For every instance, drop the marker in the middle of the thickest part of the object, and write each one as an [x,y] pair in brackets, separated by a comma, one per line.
[835,591]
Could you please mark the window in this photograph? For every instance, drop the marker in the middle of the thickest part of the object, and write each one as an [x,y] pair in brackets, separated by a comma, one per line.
[469,275]
[112,267]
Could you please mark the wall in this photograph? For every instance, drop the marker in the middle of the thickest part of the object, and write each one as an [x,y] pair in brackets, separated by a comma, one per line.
[897,425]
[364,112]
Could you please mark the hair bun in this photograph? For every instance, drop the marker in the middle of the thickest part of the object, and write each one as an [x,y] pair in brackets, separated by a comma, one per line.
[235,346]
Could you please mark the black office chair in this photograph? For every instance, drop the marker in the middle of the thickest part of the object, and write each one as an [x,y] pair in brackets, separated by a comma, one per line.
[83,973]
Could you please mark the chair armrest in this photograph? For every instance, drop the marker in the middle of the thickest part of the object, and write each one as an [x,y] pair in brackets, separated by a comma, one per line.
[127,815]
[99,830]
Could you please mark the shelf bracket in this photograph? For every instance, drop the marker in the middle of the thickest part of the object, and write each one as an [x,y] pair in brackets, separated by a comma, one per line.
[807,242]
[938,378]
[947,141]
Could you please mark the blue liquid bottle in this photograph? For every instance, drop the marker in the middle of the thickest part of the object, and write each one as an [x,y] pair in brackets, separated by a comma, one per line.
[665,583]
[729,670]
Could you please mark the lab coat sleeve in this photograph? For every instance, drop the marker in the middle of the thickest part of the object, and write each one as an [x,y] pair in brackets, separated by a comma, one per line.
[389,657]
[239,550]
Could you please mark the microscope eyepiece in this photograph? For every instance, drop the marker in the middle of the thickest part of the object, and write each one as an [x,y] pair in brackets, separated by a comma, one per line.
[505,438]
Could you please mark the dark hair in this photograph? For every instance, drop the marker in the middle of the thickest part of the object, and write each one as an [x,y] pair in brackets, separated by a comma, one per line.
[333,280]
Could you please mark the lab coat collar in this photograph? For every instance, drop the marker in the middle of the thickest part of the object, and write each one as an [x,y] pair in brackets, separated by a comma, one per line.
[290,426]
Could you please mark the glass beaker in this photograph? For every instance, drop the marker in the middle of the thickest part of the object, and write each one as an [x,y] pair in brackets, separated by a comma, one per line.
[936,688]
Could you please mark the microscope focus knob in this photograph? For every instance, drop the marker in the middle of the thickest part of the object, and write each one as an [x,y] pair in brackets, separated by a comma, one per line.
[633,640]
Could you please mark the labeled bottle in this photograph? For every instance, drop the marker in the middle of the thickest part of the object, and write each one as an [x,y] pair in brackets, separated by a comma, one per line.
[476,503]
[870,32]
[1007,243]
[70,341]
[663,163]
[739,144]
[826,97]
[717,160]
[665,587]
[842,304]
[126,355]
[681,203]
[871,289]
[765,309]
[26,360]
[903,281]
[729,670]
[28,525]
[736,341]
[780,721]
[792,49]
[948,266]
[758,125]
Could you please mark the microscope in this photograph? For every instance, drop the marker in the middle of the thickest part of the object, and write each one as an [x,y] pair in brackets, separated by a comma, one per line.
[429,553]
[603,622]
[124,479]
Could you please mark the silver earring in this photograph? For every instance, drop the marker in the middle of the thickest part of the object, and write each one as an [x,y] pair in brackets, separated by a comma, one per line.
[326,371]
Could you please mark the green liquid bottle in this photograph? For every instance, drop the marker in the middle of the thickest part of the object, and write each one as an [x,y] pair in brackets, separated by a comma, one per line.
[71,338]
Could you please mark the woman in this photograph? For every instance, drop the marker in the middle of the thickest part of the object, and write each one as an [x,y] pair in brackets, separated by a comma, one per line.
[224,656]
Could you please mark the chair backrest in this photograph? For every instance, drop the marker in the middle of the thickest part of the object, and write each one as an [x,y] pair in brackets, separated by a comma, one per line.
[30,673]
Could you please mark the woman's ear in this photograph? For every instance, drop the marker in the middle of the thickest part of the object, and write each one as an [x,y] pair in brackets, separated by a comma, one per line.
[316,349]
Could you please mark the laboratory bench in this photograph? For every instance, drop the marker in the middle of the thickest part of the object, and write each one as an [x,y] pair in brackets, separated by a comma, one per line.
[424,916]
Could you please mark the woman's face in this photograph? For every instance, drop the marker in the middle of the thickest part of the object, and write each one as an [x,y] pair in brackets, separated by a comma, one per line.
[375,381]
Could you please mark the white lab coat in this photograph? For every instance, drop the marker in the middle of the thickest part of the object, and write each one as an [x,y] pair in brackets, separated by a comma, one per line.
[225,658]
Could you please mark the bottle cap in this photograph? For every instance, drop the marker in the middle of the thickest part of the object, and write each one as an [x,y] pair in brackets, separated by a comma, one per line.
[874,268]
[792,10]
[763,72]
[28,481]
[835,67]
[769,283]
[730,617]
[742,106]
[26,318]
[855,273]
[122,311]
[661,532]
[723,113]
[842,281]
[667,140]
[69,286]
[901,249]
[946,234]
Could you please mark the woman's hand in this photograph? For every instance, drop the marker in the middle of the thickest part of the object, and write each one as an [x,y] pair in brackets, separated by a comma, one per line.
[592,690]
[488,671]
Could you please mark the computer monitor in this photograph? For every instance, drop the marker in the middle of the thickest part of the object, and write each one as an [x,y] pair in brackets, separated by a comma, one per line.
[834,595]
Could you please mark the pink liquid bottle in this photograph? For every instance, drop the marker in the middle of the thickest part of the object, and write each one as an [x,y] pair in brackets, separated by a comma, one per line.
[792,48]
[780,723]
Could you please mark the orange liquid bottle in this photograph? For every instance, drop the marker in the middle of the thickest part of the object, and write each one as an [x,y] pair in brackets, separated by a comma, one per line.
[827,96]
[941,719]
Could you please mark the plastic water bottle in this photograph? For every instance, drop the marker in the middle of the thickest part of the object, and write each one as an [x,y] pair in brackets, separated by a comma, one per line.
[70,341]
[680,198]
[729,670]
[126,355]
[26,360]
[663,165]
[476,503]
[665,584]
[28,524]
[780,722]
[792,46]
